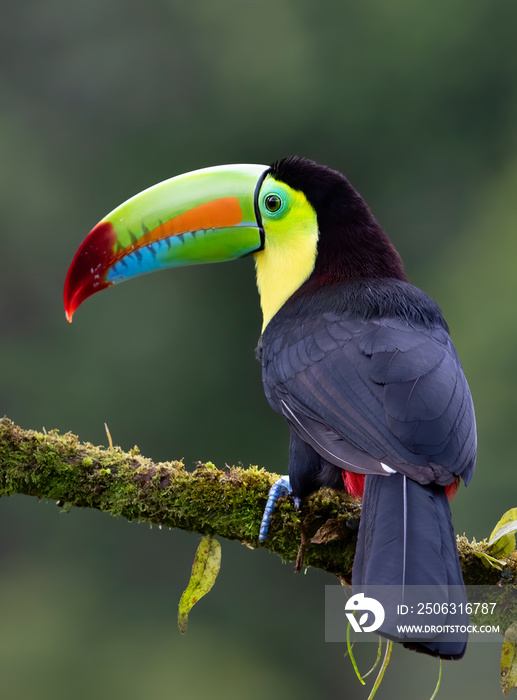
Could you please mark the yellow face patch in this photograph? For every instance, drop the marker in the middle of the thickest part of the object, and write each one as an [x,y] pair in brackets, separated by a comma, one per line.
[291,237]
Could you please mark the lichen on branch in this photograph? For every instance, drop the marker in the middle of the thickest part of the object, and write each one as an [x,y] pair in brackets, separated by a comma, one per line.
[226,503]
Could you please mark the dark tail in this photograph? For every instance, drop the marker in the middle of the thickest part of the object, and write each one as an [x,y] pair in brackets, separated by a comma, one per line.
[406,538]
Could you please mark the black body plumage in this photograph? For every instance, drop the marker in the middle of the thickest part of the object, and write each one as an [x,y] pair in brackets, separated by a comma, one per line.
[366,372]
[367,377]
[361,365]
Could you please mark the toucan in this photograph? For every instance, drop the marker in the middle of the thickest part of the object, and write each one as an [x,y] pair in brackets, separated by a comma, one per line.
[357,360]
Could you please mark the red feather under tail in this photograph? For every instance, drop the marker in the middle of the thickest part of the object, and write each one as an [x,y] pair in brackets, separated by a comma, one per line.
[451,489]
[354,484]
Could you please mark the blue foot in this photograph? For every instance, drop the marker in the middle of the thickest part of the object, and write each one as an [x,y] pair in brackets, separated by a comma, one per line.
[281,487]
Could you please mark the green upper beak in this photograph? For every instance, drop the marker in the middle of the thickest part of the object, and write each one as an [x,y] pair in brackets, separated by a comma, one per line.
[208,215]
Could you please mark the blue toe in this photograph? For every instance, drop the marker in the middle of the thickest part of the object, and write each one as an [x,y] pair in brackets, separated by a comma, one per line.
[281,487]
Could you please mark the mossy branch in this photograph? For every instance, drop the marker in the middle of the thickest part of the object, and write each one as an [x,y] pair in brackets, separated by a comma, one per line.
[225,503]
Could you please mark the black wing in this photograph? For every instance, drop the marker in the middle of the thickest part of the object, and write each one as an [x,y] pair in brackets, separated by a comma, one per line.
[373,395]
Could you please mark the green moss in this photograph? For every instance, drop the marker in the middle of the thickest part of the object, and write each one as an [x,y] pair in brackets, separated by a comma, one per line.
[226,502]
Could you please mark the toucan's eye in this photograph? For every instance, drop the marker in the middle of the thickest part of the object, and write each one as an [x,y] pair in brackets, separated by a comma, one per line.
[273,203]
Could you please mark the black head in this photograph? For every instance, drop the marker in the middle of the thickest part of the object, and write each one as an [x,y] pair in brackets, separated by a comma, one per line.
[351,243]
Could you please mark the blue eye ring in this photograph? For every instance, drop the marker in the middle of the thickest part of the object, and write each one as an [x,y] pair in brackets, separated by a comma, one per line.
[273,203]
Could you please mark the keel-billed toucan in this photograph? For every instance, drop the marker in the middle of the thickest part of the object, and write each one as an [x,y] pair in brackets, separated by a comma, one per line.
[358,361]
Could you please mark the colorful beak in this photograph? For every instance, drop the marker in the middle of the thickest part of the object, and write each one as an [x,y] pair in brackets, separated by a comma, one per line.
[207,215]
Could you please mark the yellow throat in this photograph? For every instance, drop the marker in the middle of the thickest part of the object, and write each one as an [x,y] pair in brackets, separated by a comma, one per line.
[290,248]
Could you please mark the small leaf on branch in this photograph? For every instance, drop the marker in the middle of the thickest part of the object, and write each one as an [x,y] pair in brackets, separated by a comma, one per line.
[331,530]
[502,539]
[204,572]
[489,561]
[509,660]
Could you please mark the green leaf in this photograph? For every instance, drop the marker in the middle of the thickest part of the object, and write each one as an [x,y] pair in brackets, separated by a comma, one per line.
[489,561]
[509,660]
[204,572]
[502,539]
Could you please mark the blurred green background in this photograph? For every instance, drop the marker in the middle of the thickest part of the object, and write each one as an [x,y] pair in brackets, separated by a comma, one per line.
[416,102]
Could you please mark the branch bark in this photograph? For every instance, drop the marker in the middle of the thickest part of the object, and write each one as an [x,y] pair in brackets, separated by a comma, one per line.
[224,503]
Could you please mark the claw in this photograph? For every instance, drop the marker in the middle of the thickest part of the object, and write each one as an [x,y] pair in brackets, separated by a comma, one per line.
[281,487]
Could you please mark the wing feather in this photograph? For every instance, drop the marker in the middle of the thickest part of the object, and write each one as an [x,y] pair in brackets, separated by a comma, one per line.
[388,388]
